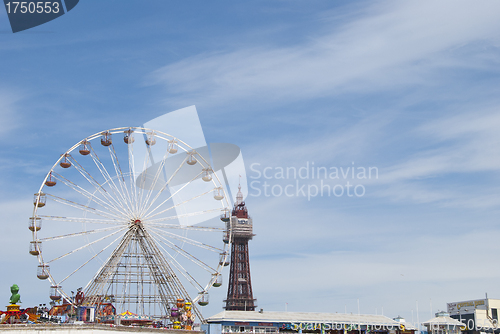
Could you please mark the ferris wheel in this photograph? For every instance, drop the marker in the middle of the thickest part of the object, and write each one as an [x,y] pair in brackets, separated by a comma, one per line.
[131,215]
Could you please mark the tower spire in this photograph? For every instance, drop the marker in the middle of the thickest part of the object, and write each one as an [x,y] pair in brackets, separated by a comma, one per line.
[239,195]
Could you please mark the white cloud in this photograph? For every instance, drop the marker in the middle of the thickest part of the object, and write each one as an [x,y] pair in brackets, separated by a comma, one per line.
[385,48]
[341,146]
[461,147]
[468,142]
[417,268]
[465,148]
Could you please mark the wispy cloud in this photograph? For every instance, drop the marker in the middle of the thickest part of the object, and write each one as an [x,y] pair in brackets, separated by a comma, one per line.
[386,47]
[465,142]
[403,266]
[451,166]
[392,44]
[464,148]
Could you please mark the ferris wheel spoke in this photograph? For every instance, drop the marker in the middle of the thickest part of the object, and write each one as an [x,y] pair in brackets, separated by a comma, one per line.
[147,161]
[81,206]
[131,170]
[178,266]
[181,216]
[112,201]
[174,206]
[83,220]
[188,240]
[85,193]
[165,187]
[64,236]
[109,180]
[120,176]
[86,262]
[155,181]
[170,197]
[85,246]
[187,227]
[184,253]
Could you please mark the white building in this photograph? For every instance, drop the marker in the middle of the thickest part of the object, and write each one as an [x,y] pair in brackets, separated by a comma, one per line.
[443,324]
[303,322]
[480,315]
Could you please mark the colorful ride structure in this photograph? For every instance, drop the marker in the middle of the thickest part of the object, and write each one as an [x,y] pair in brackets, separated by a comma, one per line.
[70,310]
[14,314]
[128,318]
[75,309]
[182,316]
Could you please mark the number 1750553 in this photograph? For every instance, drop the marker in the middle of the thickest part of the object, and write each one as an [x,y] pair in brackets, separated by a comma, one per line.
[32,7]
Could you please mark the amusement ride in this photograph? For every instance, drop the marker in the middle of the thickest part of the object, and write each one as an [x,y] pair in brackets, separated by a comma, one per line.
[134,213]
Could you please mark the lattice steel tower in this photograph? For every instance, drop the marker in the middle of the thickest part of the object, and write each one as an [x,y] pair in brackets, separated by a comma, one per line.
[239,292]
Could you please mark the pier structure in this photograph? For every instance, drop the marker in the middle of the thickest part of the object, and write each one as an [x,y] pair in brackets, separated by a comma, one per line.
[86,328]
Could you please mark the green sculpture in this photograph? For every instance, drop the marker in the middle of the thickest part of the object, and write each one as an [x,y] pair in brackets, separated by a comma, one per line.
[15,294]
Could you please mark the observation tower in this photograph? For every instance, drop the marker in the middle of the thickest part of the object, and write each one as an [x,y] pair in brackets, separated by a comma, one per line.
[239,292]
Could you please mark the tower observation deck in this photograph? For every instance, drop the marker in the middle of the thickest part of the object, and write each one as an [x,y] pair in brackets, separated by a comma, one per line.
[239,292]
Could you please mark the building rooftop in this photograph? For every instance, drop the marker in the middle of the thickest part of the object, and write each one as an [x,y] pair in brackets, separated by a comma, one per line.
[254,316]
[443,320]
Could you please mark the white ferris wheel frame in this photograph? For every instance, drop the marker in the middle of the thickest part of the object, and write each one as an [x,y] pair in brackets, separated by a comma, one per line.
[118,207]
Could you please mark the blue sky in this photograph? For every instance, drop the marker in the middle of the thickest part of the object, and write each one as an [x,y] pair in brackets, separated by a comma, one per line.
[408,87]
